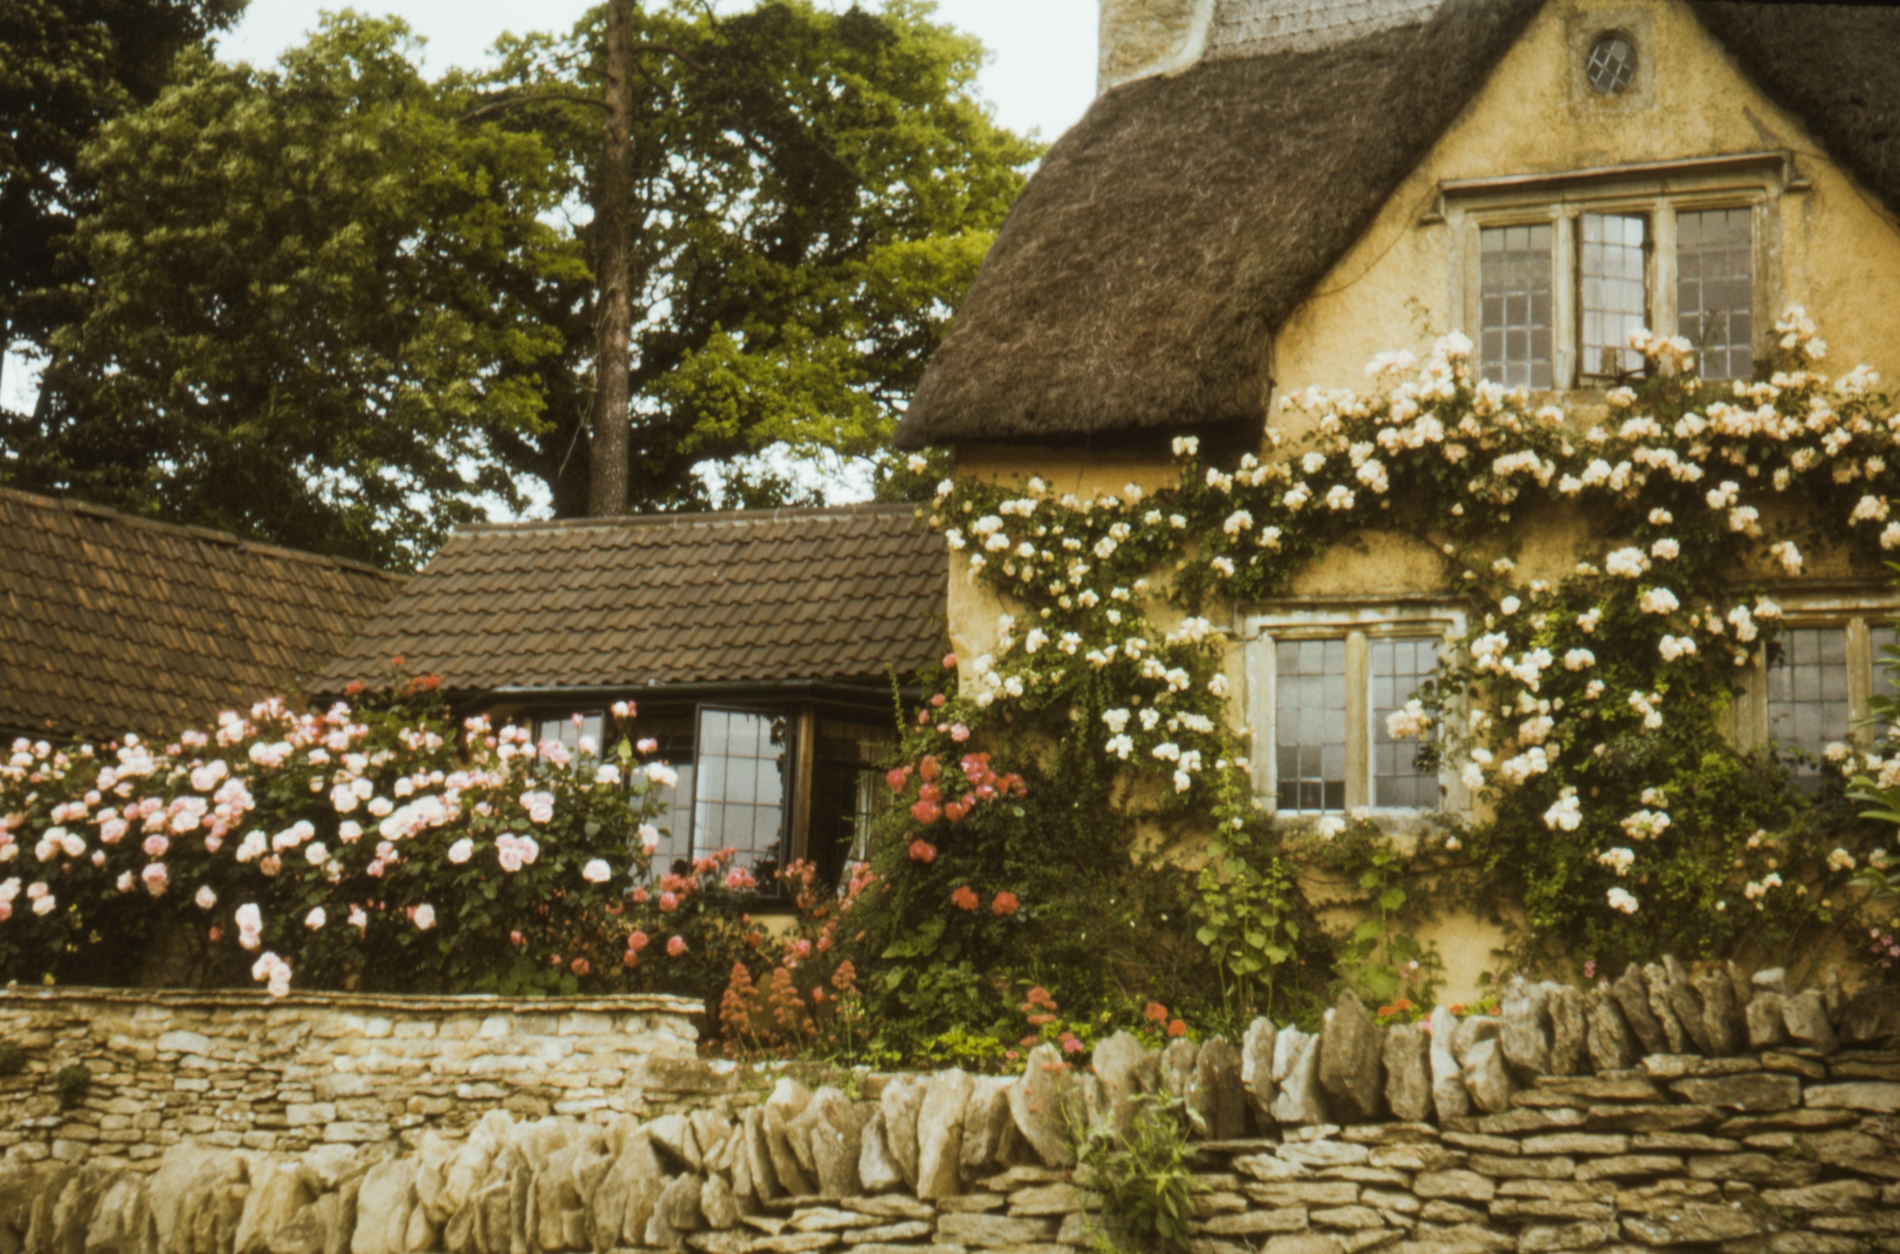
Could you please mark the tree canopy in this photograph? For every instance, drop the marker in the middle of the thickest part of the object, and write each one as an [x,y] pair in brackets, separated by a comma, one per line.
[66,67]
[340,305]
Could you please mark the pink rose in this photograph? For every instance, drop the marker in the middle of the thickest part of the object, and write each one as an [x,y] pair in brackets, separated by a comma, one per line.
[676,947]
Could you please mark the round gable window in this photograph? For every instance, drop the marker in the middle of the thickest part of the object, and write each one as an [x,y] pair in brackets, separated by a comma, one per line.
[1612,64]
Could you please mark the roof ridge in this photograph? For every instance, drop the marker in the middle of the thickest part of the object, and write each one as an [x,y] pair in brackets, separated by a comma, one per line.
[209,535]
[782,513]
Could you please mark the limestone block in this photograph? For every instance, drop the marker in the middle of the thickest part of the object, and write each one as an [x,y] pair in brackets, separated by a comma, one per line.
[383,1204]
[1126,1070]
[278,1191]
[1486,1077]
[1763,1016]
[940,1134]
[1524,1034]
[984,1123]
[1805,1017]
[1408,1072]
[1220,1093]
[1256,1069]
[900,1103]
[786,1153]
[1350,1063]
[1041,1103]
[878,1171]
[1297,1098]
[1569,1013]
[1449,1097]
[1632,997]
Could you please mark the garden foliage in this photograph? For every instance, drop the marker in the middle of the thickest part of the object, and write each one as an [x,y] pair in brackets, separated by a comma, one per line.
[1075,839]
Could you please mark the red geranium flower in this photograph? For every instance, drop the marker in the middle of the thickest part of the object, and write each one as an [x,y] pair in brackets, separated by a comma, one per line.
[1005,903]
[964,898]
[922,850]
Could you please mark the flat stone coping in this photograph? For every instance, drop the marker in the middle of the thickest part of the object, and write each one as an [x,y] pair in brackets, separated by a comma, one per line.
[16,998]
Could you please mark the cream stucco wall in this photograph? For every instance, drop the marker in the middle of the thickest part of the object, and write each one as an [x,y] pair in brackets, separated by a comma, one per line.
[1401,286]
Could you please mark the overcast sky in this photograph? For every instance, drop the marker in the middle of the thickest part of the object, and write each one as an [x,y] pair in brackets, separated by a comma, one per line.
[1041,74]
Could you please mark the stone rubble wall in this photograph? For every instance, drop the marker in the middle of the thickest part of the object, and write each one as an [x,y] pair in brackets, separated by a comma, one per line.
[238,1070]
[1705,1112]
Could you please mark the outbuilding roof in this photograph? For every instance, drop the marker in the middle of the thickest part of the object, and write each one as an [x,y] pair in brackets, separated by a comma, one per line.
[760,596]
[110,624]
[1138,280]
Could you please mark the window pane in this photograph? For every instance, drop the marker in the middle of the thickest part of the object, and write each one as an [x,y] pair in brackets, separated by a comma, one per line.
[1398,669]
[1615,294]
[1310,724]
[1807,696]
[1715,290]
[739,797]
[1514,282]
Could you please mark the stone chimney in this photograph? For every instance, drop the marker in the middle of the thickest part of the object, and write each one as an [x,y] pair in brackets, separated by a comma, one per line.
[1145,37]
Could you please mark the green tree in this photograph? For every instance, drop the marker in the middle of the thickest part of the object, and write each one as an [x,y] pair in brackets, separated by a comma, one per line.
[337,304]
[66,66]
[314,304]
[813,193]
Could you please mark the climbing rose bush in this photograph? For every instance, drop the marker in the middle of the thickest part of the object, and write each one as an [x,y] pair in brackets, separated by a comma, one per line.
[1585,711]
[377,848]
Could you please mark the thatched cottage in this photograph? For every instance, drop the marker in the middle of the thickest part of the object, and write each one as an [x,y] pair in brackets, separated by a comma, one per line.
[1267,193]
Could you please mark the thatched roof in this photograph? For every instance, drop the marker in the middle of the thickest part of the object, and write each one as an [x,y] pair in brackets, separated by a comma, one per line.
[1835,66]
[1138,281]
[1139,277]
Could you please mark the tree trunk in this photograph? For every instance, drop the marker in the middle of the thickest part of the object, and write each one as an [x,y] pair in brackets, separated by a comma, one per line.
[607,487]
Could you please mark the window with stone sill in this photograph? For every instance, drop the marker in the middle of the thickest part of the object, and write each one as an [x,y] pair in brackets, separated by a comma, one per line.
[1322,682]
[1818,688]
[1551,274]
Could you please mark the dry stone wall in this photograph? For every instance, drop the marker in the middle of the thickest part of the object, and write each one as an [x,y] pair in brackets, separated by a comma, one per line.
[240,1071]
[1703,1112]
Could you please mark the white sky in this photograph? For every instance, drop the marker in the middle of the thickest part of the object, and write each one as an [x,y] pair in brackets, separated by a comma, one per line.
[1041,74]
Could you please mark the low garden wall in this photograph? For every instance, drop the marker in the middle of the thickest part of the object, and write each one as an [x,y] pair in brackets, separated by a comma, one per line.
[240,1070]
[1710,1112]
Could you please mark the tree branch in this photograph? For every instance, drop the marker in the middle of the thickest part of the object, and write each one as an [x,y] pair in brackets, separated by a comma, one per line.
[538,98]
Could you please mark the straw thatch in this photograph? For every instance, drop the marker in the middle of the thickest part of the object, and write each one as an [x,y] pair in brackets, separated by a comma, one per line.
[1837,67]
[1137,280]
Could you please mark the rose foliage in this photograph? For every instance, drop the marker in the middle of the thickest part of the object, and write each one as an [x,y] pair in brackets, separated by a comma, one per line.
[376,848]
[1585,709]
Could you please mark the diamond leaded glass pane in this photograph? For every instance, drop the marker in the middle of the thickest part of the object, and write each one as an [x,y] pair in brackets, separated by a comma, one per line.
[1612,64]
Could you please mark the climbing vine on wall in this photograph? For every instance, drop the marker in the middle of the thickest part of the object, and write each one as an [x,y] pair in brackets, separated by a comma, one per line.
[1586,715]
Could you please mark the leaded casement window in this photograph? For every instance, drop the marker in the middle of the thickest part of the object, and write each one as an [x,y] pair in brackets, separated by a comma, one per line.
[1552,273]
[1322,682]
[1816,690]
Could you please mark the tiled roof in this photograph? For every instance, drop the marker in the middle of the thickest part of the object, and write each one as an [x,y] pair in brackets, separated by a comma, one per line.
[753,596]
[111,624]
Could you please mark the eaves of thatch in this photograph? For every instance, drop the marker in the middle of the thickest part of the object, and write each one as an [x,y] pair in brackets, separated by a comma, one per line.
[1137,283]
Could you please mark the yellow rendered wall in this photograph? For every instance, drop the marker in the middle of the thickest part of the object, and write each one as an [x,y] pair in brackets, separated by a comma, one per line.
[1394,289]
